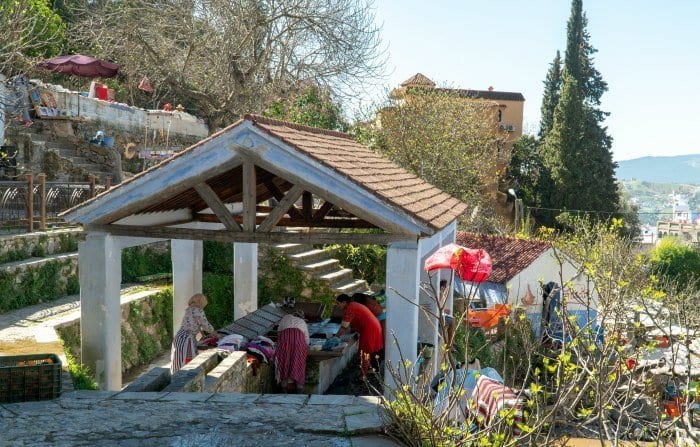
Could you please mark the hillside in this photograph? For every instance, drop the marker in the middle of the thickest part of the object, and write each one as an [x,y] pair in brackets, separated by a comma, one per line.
[683,169]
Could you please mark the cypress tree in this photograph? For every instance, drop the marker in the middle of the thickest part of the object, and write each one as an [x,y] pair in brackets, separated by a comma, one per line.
[550,98]
[577,148]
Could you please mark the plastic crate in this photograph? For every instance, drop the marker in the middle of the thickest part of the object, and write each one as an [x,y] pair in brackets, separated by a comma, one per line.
[30,377]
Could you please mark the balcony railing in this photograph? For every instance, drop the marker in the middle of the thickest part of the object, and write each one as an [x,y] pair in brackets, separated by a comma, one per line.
[35,203]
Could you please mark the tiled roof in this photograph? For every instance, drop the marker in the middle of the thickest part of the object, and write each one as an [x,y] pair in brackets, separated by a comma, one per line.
[485,94]
[510,256]
[368,169]
[418,80]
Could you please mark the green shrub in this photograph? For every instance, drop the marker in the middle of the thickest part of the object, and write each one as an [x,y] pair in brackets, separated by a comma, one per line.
[367,262]
[219,291]
[35,285]
[80,374]
[218,257]
[145,261]
[67,243]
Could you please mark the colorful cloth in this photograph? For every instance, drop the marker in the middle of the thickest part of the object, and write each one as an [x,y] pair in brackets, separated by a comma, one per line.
[290,357]
[185,340]
[261,347]
[491,397]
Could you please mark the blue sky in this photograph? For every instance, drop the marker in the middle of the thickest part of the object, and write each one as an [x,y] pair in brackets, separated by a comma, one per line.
[648,53]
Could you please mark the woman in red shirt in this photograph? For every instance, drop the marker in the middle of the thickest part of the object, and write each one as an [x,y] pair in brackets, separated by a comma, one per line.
[367,325]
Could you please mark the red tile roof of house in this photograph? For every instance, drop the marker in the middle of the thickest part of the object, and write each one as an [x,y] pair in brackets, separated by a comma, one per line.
[510,256]
[418,80]
[368,169]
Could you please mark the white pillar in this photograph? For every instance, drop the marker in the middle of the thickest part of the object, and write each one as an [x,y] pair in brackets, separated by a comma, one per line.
[187,258]
[402,277]
[245,279]
[99,260]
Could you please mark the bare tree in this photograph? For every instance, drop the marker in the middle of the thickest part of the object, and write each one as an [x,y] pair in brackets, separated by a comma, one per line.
[224,58]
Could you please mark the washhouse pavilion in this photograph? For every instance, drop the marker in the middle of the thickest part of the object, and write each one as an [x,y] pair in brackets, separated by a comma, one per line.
[216,190]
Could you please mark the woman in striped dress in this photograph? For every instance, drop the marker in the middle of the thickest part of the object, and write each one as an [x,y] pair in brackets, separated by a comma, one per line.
[290,357]
[185,341]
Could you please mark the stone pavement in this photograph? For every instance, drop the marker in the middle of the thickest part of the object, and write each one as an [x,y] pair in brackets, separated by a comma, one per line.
[127,419]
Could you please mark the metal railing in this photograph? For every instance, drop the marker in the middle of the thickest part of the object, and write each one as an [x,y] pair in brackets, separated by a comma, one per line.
[35,203]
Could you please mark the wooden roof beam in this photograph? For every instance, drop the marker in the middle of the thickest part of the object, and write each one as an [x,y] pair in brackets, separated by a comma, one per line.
[282,208]
[216,205]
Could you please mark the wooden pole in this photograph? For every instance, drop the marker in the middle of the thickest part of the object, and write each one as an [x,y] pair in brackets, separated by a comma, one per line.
[30,202]
[42,201]
[108,183]
[91,180]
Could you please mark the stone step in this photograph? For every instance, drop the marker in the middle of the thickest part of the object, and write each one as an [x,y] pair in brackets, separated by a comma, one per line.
[290,249]
[350,287]
[323,266]
[311,256]
[336,276]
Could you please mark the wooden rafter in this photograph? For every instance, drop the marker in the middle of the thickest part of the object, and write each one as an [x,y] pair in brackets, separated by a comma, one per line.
[250,237]
[217,206]
[321,213]
[281,209]
[279,195]
[249,198]
[307,205]
[291,222]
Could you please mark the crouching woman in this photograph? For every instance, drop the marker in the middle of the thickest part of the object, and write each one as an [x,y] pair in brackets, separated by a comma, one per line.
[292,349]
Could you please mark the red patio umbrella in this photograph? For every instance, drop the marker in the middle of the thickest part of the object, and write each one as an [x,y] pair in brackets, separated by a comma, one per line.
[79,65]
[470,264]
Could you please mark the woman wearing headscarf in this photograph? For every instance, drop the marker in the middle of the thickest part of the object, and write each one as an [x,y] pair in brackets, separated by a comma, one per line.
[290,356]
[185,341]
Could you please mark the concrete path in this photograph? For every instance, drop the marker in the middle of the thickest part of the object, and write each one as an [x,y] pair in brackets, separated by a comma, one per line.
[97,418]
[31,330]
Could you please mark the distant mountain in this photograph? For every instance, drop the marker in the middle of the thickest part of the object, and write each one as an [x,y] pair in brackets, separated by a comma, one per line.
[679,169]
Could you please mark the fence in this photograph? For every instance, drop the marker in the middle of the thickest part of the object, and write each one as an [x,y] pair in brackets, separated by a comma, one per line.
[29,204]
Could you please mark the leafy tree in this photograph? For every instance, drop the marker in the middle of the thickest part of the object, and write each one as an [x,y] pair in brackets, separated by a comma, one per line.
[30,29]
[446,140]
[676,261]
[526,172]
[311,106]
[577,150]
[550,98]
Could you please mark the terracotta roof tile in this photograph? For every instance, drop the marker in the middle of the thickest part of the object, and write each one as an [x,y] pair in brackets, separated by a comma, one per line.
[418,79]
[340,152]
[368,169]
[510,256]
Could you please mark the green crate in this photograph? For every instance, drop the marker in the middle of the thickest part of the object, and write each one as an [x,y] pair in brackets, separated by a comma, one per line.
[29,377]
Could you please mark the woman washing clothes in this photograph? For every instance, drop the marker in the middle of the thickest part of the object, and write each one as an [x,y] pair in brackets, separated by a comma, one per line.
[292,348]
[374,307]
[366,324]
[185,341]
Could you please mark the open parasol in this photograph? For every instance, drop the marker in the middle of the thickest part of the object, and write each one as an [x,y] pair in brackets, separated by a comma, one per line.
[79,65]
[470,264]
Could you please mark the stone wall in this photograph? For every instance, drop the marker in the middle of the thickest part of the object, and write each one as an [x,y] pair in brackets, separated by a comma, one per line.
[127,118]
[40,243]
[145,327]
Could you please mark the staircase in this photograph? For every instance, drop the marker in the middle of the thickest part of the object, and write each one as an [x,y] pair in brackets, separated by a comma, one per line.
[321,265]
[63,158]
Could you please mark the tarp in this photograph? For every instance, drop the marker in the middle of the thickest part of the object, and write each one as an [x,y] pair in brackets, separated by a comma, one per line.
[470,264]
[79,65]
